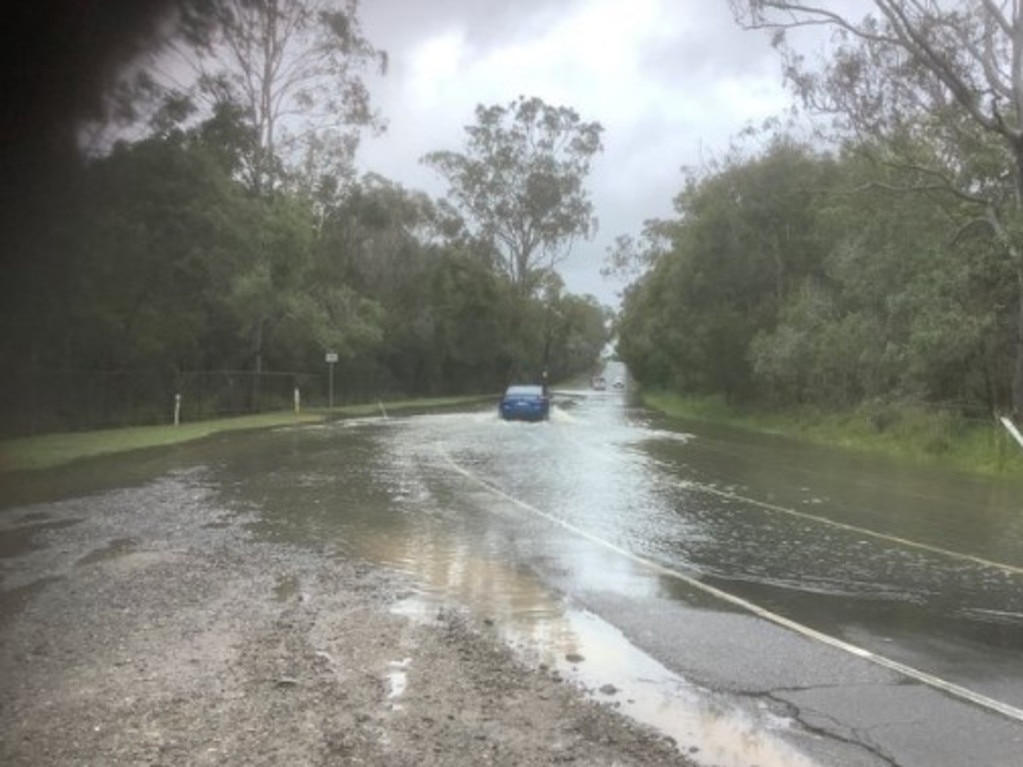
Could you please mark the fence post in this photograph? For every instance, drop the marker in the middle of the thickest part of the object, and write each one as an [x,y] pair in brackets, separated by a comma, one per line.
[298,401]
[177,409]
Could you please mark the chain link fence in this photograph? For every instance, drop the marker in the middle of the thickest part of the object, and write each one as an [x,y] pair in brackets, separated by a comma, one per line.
[73,400]
[209,394]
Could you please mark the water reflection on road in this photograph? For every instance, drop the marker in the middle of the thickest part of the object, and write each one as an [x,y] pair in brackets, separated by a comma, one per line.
[529,523]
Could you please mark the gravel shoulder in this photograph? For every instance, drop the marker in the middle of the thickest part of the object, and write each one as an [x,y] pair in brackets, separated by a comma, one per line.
[147,626]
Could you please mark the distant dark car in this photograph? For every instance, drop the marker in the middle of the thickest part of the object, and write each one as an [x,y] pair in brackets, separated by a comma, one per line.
[525,403]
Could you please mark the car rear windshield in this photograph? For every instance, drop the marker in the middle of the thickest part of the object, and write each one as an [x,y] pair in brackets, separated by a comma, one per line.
[524,391]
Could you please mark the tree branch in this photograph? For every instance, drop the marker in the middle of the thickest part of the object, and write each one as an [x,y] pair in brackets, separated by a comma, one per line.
[823,17]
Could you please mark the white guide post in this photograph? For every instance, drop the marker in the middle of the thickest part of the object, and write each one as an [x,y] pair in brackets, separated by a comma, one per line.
[1011,428]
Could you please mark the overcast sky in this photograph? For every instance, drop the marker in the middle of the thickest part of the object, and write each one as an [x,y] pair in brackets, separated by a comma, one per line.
[671,81]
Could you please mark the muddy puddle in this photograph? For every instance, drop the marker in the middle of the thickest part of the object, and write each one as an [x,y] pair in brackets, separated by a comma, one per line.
[595,656]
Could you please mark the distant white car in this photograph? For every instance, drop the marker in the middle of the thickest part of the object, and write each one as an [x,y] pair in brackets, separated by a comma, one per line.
[619,383]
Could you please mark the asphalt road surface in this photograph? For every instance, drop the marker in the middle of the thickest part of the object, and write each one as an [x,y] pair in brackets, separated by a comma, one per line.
[774,603]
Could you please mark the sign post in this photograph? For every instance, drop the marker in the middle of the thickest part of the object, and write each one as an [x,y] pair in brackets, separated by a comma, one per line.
[331,359]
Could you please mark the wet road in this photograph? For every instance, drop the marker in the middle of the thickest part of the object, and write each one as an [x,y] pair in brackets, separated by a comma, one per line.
[857,613]
[762,602]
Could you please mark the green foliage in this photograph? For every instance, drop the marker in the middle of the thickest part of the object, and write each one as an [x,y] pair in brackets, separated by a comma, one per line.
[150,247]
[170,264]
[520,183]
[744,238]
[288,74]
[903,305]
[795,279]
[231,238]
[929,91]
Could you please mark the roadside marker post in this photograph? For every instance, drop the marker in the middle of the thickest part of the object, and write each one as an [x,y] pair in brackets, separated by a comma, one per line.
[331,360]
[1011,428]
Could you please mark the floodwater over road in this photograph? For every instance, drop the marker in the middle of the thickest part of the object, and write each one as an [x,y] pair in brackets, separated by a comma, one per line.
[761,601]
[653,565]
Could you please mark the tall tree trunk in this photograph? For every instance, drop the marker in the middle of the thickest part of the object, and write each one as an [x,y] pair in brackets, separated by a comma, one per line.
[1016,145]
[257,344]
[1017,371]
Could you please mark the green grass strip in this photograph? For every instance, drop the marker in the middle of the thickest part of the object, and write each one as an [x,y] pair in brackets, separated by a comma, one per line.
[49,450]
[905,433]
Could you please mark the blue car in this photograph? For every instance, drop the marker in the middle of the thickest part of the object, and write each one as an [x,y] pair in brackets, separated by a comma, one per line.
[525,403]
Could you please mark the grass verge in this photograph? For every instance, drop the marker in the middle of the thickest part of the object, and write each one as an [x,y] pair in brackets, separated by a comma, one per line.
[49,450]
[909,434]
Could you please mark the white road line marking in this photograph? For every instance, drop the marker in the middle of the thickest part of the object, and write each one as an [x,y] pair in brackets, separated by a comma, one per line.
[1016,570]
[923,677]
[701,487]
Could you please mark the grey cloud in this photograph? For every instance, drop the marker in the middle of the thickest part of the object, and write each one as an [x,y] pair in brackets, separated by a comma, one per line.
[707,43]
[639,173]
[403,22]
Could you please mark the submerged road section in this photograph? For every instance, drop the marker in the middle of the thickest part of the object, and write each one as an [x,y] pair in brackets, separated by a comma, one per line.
[772,603]
[760,601]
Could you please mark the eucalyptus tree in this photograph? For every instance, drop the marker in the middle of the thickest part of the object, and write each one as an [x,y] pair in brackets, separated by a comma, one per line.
[743,238]
[295,70]
[150,247]
[520,183]
[903,307]
[652,330]
[577,328]
[946,71]
[458,331]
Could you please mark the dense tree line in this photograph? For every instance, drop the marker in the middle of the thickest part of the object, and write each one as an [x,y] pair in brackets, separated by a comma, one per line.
[889,268]
[161,260]
[220,237]
[802,277]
